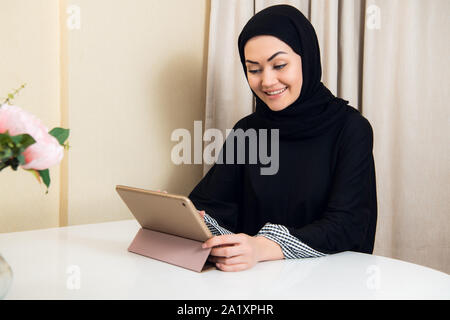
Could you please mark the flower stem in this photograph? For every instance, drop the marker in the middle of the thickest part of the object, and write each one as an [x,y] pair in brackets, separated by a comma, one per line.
[12,95]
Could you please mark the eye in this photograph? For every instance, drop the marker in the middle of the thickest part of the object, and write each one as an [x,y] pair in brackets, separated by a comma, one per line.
[280,66]
[254,71]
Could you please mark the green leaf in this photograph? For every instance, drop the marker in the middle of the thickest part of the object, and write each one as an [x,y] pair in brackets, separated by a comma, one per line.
[5,154]
[60,134]
[5,140]
[4,137]
[14,163]
[3,165]
[23,141]
[45,175]
[7,147]
[21,159]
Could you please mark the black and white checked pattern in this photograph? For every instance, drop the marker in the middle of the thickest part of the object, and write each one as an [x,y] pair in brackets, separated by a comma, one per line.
[214,227]
[291,246]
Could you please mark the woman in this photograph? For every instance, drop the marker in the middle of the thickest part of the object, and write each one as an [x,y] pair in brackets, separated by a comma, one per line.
[322,199]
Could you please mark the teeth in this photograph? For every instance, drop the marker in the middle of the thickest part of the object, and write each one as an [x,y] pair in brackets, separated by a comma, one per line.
[272,93]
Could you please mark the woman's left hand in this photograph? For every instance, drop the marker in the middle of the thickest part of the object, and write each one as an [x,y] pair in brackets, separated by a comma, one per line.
[237,252]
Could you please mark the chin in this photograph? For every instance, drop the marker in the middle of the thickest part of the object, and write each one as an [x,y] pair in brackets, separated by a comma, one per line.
[276,107]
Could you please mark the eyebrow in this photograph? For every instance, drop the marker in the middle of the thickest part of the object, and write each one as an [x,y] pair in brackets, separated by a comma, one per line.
[272,57]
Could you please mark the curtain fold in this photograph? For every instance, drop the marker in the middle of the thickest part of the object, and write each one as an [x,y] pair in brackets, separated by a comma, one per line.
[405,72]
[228,97]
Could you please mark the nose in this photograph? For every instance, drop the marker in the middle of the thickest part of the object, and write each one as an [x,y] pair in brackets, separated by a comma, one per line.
[268,79]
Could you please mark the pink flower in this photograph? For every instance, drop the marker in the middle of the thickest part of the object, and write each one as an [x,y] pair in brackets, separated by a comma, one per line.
[43,154]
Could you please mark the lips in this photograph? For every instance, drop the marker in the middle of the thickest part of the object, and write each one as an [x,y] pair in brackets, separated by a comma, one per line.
[275,92]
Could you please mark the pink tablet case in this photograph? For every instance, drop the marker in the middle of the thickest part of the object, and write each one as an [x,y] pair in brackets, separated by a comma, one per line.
[175,250]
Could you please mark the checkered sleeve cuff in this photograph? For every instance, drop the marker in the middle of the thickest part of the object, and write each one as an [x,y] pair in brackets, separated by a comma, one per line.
[292,247]
[214,226]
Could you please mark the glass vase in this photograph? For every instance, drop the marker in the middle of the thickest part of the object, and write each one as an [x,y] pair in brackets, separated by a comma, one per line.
[5,277]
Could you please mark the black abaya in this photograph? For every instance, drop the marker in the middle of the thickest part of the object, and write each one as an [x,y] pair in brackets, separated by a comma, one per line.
[324,191]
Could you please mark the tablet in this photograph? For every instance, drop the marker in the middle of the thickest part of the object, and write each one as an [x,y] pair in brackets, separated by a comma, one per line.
[164,212]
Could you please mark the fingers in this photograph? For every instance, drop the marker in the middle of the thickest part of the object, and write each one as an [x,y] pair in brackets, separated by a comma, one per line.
[227,239]
[233,267]
[233,264]
[231,252]
[227,251]
[226,245]
[202,213]
[228,261]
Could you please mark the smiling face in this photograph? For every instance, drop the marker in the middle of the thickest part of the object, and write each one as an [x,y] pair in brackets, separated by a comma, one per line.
[274,71]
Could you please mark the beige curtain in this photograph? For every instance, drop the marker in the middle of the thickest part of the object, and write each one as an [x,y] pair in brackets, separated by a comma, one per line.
[390,60]
[228,97]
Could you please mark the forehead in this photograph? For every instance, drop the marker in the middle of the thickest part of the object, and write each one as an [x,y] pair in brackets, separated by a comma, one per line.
[262,47]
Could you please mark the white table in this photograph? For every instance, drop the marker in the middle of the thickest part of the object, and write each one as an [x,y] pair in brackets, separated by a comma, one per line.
[92,262]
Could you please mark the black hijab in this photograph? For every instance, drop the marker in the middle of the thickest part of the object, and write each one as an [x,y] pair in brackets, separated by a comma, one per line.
[316,108]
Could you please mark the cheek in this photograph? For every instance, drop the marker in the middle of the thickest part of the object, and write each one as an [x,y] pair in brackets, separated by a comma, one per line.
[253,82]
[295,81]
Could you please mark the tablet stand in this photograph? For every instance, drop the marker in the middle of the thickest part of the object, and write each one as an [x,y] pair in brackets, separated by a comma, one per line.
[172,249]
